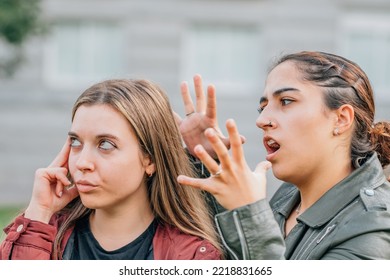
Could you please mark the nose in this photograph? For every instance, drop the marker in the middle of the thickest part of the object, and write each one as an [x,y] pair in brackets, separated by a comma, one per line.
[264,121]
[84,161]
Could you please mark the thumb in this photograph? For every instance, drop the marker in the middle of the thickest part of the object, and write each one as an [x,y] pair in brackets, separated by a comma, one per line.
[262,167]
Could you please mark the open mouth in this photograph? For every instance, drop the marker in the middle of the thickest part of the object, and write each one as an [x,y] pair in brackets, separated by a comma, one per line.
[271,145]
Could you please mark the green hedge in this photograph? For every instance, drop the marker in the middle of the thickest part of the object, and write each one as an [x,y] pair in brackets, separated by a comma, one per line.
[7,214]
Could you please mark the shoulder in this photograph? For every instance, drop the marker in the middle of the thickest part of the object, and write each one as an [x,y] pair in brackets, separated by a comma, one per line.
[377,198]
[171,243]
[369,214]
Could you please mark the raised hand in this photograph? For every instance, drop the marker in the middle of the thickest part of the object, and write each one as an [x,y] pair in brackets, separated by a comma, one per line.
[232,182]
[199,119]
[52,189]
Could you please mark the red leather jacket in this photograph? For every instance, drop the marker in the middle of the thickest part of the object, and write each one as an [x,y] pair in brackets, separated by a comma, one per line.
[33,240]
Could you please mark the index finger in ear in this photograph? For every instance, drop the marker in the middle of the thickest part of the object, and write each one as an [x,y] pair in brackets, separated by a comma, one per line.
[61,159]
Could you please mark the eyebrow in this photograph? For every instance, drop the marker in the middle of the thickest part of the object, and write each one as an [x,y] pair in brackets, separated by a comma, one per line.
[100,136]
[277,93]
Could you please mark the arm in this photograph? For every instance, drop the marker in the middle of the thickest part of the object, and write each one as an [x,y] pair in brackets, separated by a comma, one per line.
[31,236]
[251,232]
[28,240]
[248,228]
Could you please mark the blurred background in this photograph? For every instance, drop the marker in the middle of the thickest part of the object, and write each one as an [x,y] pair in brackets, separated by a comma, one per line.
[50,51]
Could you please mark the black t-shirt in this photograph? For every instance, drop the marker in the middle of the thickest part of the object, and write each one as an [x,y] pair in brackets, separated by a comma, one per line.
[86,247]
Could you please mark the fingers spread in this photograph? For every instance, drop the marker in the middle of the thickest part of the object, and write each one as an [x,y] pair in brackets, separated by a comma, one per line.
[185,94]
[200,98]
[211,110]
[219,148]
[207,160]
[195,183]
[235,141]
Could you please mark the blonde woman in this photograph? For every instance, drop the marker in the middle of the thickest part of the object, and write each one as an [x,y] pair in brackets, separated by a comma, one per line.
[112,193]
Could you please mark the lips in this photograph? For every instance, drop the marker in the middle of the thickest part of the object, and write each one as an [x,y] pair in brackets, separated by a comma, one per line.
[271,145]
[84,186]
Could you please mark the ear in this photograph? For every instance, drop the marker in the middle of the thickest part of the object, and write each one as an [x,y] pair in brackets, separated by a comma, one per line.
[150,167]
[344,119]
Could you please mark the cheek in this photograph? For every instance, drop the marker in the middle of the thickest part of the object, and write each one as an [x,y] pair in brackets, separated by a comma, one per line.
[72,164]
[118,168]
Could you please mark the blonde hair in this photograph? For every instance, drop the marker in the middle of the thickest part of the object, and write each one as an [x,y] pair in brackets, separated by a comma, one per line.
[148,110]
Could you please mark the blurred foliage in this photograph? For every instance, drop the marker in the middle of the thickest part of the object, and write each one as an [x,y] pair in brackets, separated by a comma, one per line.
[19,19]
[7,214]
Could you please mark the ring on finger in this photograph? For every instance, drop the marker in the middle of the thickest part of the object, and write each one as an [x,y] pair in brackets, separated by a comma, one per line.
[190,113]
[217,174]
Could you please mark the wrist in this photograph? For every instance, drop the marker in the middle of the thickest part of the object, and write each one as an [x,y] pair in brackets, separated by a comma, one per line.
[39,215]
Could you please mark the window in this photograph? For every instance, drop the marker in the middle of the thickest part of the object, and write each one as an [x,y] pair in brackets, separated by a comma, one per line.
[227,56]
[366,40]
[79,53]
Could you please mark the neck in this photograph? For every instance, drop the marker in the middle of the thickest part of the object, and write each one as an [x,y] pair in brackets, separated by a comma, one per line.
[328,175]
[114,229]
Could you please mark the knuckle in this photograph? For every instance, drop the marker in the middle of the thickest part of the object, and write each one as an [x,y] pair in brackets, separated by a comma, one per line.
[40,171]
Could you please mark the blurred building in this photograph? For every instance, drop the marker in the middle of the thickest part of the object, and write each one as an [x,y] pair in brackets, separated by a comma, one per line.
[231,43]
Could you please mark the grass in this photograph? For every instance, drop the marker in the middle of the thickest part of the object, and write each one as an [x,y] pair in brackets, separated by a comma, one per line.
[7,214]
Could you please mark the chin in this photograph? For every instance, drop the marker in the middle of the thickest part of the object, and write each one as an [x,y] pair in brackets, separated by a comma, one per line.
[88,202]
[280,173]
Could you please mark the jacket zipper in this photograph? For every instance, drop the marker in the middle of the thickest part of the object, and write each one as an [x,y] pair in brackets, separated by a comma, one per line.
[245,251]
[328,230]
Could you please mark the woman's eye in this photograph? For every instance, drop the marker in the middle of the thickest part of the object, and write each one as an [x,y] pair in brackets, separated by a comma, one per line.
[286,101]
[74,143]
[106,145]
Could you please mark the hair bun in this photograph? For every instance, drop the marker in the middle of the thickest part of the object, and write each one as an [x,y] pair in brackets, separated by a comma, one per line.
[380,138]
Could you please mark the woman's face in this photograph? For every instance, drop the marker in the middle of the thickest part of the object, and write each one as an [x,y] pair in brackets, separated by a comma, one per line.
[299,142]
[105,160]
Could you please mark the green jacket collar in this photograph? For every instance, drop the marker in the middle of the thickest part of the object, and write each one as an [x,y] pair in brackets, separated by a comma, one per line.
[335,199]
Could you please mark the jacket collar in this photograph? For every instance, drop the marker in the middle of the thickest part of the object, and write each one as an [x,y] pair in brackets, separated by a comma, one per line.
[367,177]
